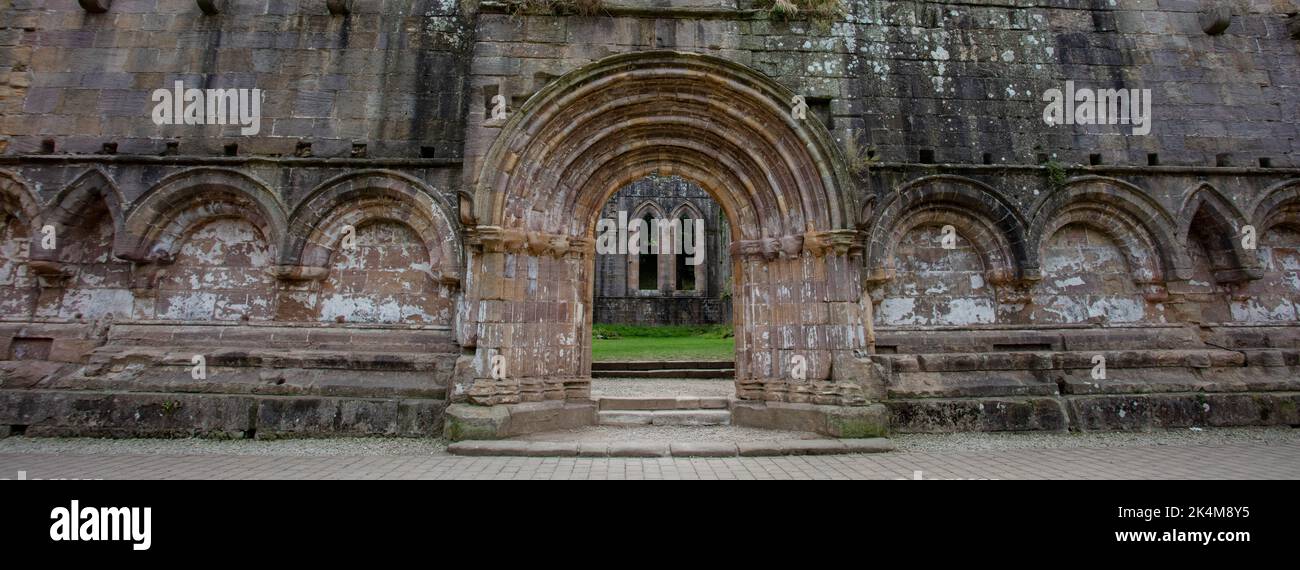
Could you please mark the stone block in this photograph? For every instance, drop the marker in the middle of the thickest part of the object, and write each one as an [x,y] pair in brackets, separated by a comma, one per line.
[470,422]
[835,421]
[639,449]
[977,414]
[703,449]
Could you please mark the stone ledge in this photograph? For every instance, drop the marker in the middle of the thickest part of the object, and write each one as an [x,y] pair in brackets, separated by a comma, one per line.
[471,422]
[1153,411]
[652,449]
[836,421]
[977,414]
[56,413]
[1103,412]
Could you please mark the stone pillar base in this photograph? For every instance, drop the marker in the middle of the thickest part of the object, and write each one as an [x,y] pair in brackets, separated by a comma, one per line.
[470,422]
[846,422]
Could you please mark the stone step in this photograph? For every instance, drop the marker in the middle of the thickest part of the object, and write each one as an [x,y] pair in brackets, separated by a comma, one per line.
[662,364]
[652,404]
[1061,360]
[770,448]
[664,417]
[671,373]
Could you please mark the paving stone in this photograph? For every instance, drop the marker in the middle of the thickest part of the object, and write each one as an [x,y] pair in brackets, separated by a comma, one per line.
[814,447]
[873,445]
[699,449]
[638,449]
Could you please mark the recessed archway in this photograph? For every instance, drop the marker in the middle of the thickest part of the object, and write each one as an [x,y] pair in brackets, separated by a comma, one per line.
[539,186]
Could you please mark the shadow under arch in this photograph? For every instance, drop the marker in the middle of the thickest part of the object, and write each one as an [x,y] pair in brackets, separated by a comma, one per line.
[70,204]
[1208,215]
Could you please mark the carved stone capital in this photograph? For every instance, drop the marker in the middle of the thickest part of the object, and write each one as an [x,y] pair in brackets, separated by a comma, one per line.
[51,274]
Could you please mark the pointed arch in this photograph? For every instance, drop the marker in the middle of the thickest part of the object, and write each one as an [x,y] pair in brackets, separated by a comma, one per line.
[163,217]
[72,203]
[1145,233]
[647,207]
[974,209]
[1208,216]
[318,223]
[687,207]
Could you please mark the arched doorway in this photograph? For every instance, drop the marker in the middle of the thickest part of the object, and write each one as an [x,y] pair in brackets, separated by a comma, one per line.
[538,189]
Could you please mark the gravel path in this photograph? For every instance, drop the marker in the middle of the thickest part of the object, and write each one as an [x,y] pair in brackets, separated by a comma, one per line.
[646,387]
[907,443]
[285,447]
[1001,441]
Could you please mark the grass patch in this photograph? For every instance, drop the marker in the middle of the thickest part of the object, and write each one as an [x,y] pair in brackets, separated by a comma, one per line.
[613,343]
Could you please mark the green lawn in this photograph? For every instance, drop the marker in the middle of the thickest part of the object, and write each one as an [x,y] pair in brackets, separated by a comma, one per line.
[623,343]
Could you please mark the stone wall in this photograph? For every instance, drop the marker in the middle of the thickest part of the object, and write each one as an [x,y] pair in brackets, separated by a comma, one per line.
[924,119]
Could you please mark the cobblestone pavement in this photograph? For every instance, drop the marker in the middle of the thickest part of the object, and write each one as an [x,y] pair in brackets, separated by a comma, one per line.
[1240,454]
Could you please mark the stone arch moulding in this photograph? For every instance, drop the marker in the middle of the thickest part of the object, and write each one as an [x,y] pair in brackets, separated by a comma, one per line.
[1279,204]
[316,226]
[975,210]
[542,182]
[1225,224]
[1145,233]
[71,202]
[162,217]
[18,200]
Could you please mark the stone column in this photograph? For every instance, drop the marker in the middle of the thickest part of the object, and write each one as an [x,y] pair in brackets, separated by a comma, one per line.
[803,331]
[524,316]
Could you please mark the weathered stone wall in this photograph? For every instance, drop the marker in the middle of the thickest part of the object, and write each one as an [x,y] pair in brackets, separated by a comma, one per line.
[1070,240]
[387,76]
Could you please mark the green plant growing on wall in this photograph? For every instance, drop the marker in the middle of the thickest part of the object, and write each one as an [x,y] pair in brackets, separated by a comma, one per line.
[170,407]
[818,11]
[1056,175]
[556,7]
[860,159]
